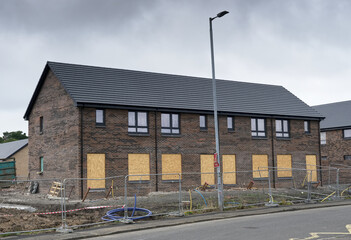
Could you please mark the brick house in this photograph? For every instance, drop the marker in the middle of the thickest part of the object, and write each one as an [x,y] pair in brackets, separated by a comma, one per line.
[94,122]
[336,135]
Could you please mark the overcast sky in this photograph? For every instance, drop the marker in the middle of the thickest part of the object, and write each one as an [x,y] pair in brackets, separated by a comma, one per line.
[303,45]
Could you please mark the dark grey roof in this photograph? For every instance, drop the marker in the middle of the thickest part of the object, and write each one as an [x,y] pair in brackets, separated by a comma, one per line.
[10,148]
[337,115]
[98,85]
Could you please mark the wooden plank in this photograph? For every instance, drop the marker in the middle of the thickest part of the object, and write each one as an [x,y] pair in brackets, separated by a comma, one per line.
[207,166]
[311,165]
[284,166]
[171,163]
[229,166]
[260,162]
[95,170]
[138,164]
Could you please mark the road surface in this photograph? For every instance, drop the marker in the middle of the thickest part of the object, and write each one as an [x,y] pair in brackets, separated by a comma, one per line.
[321,223]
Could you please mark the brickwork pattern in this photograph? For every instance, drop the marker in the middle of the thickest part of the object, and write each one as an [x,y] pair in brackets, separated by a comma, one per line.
[335,148]
[59,144]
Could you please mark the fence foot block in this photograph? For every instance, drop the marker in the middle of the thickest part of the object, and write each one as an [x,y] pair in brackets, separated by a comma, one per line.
[63,229]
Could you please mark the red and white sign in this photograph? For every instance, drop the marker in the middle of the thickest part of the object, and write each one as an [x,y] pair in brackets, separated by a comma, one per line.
[216,164]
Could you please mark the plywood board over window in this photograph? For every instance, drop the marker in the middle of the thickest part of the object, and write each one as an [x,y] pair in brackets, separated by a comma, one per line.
[207,169]
[229,175]
[260,166]
[171,163]
[284,166]
[311,167]
[96,170]
[139,164]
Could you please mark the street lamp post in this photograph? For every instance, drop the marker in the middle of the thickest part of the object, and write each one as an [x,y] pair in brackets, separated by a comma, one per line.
[214,95]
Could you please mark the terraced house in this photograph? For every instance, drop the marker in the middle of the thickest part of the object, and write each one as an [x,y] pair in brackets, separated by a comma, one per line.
[336,136]
[95,122]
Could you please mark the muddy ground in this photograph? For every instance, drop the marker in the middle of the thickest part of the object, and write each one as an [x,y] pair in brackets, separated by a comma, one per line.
[160,203]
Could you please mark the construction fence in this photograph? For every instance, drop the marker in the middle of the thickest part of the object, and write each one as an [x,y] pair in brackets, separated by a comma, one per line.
[128,198]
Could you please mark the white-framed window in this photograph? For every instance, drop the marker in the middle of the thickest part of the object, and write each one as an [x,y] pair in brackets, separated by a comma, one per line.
[347,133]
[282,128]
[323,138]
[203,122]
[230,123]
[170,123]
[258,127]
[137,122]
[100,117]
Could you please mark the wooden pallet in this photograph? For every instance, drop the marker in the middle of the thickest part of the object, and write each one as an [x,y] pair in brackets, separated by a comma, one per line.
[55,189]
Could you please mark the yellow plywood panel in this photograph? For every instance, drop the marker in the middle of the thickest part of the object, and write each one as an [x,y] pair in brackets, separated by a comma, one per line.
[95,170]
[284,166]
[260,166]
[311,166]
[171,163]
[229,166]
[138,164]
[207,166]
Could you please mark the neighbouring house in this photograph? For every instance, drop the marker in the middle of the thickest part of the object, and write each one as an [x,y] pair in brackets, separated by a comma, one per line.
[336,135]
[16,151]
[95,122]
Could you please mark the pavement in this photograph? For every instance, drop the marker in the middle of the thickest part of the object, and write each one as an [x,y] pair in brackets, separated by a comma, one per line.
[115,228]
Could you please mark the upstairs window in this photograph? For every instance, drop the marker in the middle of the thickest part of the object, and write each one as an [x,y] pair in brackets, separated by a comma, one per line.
[282,128]
[306,125]
[347,133]
[100,117]
[41,124]
[137,122]
[258,127]
[347,157]
[323,138]
[170,123]
[230,124]
[203,122]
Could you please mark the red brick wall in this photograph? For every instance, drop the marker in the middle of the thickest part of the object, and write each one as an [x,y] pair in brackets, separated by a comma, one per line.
[59,142]
[116,143]
[335,149]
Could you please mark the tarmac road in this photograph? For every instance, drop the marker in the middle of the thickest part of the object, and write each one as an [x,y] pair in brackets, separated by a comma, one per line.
[321,223]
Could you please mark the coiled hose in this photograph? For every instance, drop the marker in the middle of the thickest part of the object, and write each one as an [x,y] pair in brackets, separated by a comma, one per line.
[114,215]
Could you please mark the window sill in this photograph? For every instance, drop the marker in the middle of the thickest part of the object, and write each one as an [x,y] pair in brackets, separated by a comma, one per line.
[285,178]
[97,190]
[259,138]
[171,135]
[100,126]
[261,179]
[139,134]
[139,181]
[231,131]
[170,181]
[203,130]
[283,139]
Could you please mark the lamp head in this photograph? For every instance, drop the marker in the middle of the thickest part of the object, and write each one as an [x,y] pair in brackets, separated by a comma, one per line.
[221,14]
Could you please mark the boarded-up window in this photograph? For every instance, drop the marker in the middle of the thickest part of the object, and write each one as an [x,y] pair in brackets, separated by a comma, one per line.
[311,167]
[284,166]
[171,163]
[260,166]
[207,169]
[138,164]
[229,175]
[96,170]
